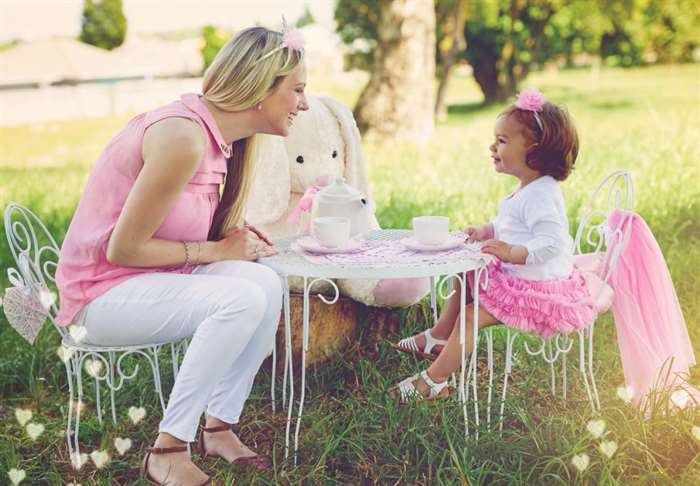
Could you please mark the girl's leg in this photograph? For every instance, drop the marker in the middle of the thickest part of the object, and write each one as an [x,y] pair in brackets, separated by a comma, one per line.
[221,313]
[442,329]
[451,356]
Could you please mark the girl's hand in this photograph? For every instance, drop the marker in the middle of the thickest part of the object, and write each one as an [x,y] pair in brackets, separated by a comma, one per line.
[475,233]
[242,243]
[499,249]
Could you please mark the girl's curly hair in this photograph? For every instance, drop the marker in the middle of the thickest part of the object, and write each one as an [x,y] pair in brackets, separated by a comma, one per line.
[555,145]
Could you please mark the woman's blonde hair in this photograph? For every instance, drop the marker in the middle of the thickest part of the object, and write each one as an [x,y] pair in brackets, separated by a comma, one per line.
[236,80]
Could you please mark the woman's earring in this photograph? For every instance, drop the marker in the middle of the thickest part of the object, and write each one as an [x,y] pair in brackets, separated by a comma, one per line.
[259,106]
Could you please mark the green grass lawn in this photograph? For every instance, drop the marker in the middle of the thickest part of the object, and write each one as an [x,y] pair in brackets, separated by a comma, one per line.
[644,120]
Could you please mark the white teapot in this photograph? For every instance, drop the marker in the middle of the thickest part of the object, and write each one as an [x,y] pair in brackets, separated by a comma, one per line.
[341,200]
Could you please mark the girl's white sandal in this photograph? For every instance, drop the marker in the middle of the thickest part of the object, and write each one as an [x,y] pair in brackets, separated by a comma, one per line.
[406,389]
[410,346]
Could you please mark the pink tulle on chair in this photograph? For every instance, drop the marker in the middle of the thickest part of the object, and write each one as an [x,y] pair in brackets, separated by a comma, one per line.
[654,344]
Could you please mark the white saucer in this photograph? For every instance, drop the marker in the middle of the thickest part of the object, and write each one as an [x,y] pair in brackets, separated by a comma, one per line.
[448,244]
[310,244]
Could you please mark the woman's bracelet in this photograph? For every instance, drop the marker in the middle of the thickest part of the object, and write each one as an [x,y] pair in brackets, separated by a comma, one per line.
[197,260]
[510,254]
[187,255]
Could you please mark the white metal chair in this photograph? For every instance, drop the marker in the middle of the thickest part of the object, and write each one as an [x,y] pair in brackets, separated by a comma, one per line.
[36,255]
[593,236]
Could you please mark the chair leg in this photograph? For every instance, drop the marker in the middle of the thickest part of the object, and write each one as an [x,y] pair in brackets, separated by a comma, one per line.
[489,359]
[563,378]
[552,370]
[590,368]
[174,356]
[274,374]
[98,404]
[582,368]
[510,339]
[112,393]
[70,435]
[155,367]
[79,381]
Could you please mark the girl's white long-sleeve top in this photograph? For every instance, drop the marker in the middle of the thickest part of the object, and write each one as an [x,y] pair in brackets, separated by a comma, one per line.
[535,217]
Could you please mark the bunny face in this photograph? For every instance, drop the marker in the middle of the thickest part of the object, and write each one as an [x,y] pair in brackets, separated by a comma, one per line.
[315,147]
[324,143]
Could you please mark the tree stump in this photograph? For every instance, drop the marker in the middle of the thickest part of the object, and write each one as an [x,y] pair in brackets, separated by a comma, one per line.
[334,326]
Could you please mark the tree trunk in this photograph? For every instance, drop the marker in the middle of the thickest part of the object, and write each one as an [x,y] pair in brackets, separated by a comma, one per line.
[398,103]
[486,76]
[446,68]
[334,328]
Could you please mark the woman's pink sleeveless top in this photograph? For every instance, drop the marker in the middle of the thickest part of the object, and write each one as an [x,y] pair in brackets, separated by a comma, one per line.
[83,272]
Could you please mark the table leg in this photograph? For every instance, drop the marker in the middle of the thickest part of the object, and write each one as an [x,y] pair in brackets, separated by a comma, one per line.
[305,348]
[475,343]
[463,379]
[288,364]
[433,301]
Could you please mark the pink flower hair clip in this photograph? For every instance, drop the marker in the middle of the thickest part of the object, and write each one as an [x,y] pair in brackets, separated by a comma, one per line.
[531,99]
[291,39]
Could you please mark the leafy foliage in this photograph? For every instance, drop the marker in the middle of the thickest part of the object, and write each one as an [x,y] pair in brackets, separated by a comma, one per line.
[103,23]
[214,40]
[506,39]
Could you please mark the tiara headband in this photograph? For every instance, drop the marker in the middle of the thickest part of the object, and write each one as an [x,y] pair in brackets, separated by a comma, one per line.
[291,39]
[531,99]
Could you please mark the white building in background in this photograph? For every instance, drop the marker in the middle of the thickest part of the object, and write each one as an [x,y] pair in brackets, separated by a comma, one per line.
[62,78]
[60,60]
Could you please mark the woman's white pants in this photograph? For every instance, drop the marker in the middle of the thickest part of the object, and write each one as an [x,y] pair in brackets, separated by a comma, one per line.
[231,310]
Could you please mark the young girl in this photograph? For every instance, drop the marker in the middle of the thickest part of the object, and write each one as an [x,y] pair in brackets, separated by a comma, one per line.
[532,285]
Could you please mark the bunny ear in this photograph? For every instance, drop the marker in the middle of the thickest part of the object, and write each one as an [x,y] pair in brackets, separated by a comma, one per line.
[355,166]
[269,194]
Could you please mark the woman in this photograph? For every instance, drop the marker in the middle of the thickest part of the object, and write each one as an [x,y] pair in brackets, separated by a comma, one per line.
[154,255]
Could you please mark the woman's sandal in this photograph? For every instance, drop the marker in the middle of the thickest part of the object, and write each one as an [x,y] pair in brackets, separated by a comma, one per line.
[406,390]
[410,346]
[163,450]
[258,461]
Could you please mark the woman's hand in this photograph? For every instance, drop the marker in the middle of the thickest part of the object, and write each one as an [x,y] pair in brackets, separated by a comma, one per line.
[245,243]
[499,249]
[259,233]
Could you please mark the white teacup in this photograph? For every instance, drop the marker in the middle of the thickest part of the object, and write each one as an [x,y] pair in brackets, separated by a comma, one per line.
[431,230]
[331,231]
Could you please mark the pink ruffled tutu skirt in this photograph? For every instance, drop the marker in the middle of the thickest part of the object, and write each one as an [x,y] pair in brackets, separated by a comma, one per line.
[545,307]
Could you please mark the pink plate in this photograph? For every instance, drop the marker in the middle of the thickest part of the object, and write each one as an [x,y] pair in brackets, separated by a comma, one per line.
[450,243]
[309,243]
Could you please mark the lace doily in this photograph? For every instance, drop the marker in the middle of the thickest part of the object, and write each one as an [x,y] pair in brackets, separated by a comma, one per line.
[24,311]
[391,252]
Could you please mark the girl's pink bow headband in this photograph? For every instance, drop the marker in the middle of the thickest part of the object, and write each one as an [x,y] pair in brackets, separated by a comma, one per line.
[531,99]
[291,39]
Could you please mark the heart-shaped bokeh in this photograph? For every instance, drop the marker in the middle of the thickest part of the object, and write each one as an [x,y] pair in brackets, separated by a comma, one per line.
[99,458]
[78,460]
[581,461]
[596,428]
[608,448]
[34,430]
[16,475]
[23,415]
[136,414]
[122,445]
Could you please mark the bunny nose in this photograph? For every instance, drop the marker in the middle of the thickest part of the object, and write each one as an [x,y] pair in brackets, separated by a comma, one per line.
[323,180]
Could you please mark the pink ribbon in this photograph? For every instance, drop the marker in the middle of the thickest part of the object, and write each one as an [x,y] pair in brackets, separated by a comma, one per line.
[304,205]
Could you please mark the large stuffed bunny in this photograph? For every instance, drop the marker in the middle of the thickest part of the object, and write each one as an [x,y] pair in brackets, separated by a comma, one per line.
[324,143]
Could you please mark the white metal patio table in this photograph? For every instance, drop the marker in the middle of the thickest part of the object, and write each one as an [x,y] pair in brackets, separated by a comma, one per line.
[441,270]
